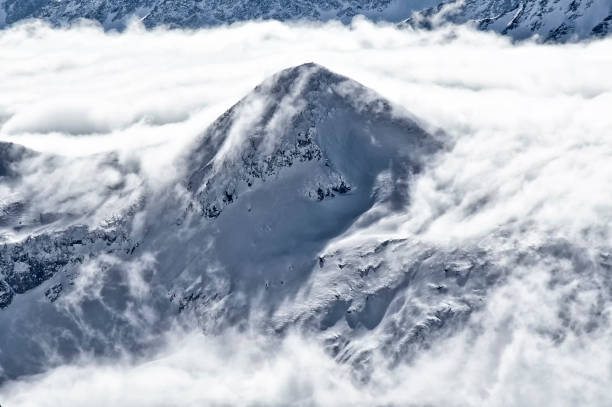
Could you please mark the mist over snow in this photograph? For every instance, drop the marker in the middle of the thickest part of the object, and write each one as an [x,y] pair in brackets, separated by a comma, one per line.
[523,174]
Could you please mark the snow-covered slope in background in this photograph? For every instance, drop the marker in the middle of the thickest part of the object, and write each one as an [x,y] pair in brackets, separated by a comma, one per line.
[549,20]
[193,13]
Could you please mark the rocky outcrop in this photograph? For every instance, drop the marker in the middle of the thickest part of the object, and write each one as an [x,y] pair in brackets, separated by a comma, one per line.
[28,264]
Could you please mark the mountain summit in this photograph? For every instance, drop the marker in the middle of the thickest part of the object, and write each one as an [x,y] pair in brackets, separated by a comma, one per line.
[305,117]
[268,186]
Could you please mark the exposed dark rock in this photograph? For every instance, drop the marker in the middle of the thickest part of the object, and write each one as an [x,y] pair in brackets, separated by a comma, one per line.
[54,292]
[6,294]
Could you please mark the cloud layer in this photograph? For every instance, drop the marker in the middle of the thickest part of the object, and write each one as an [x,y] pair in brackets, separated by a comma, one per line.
[529,128]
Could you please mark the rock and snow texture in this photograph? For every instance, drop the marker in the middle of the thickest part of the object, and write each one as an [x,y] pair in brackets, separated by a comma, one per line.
[193,13]
[550,20]
[305,119]
[547,20]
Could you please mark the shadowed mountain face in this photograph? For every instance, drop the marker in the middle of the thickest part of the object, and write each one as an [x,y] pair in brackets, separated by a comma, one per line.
[294,165]
[547,20]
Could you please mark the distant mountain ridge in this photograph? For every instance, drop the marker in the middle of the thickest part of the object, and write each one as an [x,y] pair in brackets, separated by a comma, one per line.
[548,20]
[198,13]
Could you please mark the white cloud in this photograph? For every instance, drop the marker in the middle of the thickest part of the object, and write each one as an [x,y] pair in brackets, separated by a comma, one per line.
[530,130]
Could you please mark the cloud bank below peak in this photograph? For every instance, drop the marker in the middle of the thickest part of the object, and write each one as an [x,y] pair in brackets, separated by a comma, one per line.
[526,171]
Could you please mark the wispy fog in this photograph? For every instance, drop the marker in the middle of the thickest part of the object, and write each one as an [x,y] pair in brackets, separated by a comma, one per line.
[527,174]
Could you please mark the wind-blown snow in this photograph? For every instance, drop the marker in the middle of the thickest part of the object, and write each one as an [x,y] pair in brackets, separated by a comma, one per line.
[522,183]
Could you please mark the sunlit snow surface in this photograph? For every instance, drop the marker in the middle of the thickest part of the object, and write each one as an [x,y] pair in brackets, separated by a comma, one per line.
[468,264]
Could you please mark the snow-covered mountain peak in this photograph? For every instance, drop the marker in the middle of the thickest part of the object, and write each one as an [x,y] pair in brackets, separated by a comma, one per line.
[310,119]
